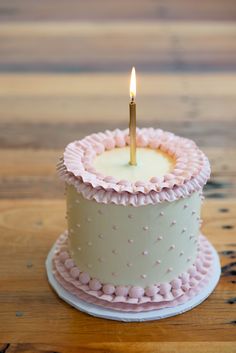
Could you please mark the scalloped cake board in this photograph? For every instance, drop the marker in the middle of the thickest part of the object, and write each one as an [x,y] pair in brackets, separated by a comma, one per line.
[110,314]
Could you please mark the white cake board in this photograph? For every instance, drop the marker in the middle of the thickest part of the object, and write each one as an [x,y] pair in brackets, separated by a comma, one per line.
[110,314]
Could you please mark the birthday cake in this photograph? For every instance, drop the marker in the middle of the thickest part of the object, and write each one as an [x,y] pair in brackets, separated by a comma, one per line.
[133,241]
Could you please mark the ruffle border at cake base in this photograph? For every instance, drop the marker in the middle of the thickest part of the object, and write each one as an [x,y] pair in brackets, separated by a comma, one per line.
[144,304]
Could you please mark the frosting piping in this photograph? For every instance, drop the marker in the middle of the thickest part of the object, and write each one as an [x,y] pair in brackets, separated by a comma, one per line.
[190,173]
[65,269]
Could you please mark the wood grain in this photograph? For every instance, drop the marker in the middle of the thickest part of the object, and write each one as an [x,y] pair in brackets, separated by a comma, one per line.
[78,98]
[46,135]
[120,347]
[77,47]
[64,73]
[26,10]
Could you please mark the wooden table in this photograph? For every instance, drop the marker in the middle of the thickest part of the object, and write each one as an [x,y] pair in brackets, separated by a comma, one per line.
[64,72]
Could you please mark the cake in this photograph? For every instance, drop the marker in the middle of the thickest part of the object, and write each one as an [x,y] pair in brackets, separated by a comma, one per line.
[133,241]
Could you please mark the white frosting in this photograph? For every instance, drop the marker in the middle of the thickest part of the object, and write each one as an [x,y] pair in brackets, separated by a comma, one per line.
[126,245]
[150,162]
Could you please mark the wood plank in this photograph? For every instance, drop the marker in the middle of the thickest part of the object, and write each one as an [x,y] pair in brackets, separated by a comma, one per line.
[60,98]
[33,163]
[101,10]
[77,47]
[213,85]
[31,312]
[51,136]
[120,347]
[182,29]
[106,109]
[24,187]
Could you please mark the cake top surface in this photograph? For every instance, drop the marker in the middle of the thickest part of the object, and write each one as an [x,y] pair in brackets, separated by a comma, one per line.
[149,162]
[187,171]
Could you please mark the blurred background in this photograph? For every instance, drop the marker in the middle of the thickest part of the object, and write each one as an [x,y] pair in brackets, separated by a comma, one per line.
[65,69]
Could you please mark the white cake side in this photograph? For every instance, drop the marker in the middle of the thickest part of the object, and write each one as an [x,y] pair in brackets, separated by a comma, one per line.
[127,245]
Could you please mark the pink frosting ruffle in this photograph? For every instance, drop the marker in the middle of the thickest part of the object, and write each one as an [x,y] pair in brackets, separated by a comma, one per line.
[190,173]
[131,307]
[70,276]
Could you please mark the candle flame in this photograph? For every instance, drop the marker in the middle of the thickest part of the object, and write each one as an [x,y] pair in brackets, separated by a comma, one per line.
[132,89]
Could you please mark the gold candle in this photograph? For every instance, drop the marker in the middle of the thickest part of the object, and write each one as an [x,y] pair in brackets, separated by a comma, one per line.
[132,118]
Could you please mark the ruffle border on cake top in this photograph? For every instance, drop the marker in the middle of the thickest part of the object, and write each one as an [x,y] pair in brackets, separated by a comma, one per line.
[190,173]
[179,289]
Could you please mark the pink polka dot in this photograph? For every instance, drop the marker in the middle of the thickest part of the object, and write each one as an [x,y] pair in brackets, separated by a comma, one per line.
[101,259]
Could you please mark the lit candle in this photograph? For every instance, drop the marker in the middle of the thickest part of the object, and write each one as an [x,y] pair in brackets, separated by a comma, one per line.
[132,118]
